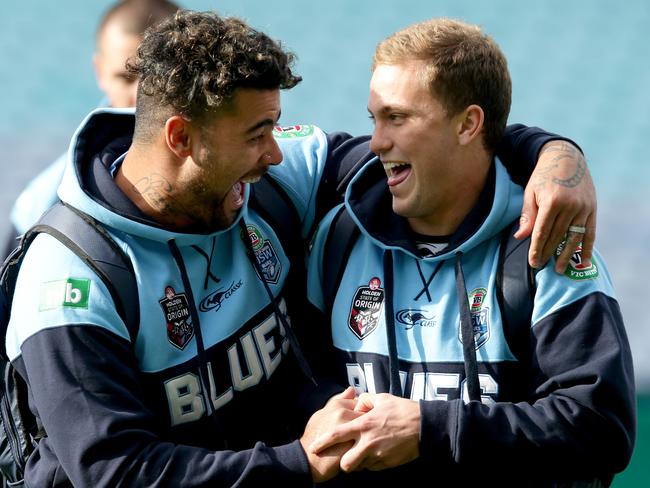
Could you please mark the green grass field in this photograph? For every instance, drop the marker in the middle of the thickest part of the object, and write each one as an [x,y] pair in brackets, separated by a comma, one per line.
[637,474]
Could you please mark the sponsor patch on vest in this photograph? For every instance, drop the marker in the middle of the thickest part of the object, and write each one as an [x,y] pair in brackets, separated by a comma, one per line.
[480,316]
[265,255]
[293,131]
[70,293]
[177,316]
[578,271]
[366,308]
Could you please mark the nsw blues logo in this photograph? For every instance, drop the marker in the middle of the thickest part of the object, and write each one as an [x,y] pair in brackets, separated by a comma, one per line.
[480,316]
[265,255]
[366,308]
[177,315]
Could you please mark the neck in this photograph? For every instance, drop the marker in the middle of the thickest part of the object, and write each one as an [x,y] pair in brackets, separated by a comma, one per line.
[149,179]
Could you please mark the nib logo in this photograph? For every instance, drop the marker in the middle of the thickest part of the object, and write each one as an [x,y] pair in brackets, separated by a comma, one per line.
[70,293]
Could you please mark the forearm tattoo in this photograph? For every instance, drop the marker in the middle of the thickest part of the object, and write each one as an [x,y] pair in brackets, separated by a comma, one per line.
[559,153]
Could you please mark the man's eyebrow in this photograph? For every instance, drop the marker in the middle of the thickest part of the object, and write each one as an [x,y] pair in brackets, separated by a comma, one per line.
[263,123]
[391,108]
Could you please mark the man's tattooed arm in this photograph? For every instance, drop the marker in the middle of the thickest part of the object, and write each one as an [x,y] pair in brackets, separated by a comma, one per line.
[560,194]
[563,158]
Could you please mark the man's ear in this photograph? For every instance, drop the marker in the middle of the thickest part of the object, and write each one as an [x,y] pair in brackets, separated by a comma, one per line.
[178,136]
[470,124]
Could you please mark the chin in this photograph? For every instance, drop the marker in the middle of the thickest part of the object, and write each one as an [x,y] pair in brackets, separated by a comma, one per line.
[399,208]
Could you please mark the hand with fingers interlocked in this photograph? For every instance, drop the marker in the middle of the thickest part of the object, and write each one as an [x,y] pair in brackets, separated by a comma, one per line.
[339,410]
[559,207]
[386,436]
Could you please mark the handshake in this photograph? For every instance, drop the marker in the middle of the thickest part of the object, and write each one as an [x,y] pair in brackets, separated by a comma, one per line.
[373,431]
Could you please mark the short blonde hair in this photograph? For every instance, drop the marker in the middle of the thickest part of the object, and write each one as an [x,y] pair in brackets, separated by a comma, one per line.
[465,67]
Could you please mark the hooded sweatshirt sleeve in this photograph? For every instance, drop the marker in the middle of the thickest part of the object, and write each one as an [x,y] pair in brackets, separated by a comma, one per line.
[66,339]
[580,410]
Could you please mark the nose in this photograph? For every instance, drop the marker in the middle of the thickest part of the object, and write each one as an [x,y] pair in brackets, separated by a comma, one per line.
[273,155]
[379,142]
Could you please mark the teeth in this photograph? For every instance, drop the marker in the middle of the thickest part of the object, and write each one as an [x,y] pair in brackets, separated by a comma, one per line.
[390,165]
[251,179]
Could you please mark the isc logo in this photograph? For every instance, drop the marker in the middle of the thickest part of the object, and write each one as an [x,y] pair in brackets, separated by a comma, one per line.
[72,292]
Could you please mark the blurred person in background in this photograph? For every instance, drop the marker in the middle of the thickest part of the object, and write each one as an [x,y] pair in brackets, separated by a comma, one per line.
[118,36]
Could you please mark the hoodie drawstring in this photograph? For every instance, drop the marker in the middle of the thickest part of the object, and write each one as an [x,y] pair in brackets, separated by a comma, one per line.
[466,329]
[393,359]
[467,334]
[204,374]
[293,340]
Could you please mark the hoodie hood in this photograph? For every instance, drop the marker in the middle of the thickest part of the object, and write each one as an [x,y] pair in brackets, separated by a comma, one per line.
[102,137]
[369,202]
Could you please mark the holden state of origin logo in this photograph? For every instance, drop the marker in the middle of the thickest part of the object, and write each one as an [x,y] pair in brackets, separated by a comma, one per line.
[577,270]
[480,316]
[177,315]
[265,255]
[293,131]
[366,307]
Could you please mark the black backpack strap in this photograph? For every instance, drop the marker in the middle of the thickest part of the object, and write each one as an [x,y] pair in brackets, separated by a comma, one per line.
[343,233]
[96,248]
[515,289]
[273,204]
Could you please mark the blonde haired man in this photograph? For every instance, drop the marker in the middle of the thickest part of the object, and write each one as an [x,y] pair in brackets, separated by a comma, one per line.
[454,393]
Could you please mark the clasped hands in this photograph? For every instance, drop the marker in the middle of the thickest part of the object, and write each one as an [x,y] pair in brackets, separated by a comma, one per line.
[373,431]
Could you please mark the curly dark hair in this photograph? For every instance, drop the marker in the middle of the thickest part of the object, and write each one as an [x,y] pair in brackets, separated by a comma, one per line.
[192,63]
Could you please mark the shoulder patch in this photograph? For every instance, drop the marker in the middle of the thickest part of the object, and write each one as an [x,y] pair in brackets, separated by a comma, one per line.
[70,293]
[578,271]
[265,254]
[293,131]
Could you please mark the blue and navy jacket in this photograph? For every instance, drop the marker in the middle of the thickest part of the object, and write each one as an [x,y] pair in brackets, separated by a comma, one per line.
[559,406]
[206,393]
